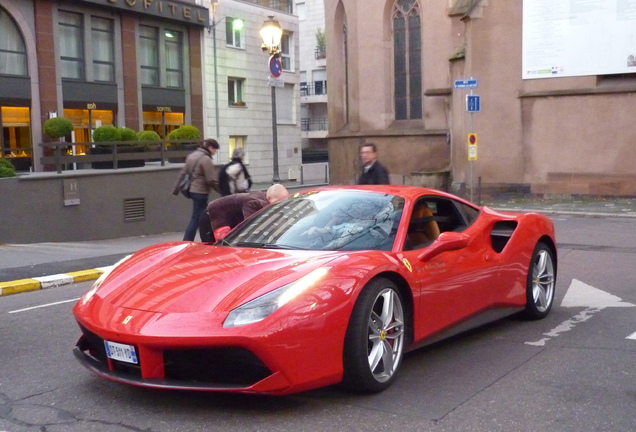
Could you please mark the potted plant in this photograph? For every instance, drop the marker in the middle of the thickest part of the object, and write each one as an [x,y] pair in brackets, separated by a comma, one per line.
[188,137]
[321,44]
[112,134]
[56,128]
[150,140]
[6,168]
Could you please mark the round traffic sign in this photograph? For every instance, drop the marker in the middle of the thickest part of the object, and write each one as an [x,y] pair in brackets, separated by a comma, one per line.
[275,66]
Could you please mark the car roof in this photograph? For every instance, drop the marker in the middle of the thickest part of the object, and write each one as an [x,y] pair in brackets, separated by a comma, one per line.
[408,192]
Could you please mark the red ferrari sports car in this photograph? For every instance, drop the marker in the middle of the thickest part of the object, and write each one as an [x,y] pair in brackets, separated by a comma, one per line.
[330,286]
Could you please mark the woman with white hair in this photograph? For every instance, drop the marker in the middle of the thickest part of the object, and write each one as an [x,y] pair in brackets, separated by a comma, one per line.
[234,177]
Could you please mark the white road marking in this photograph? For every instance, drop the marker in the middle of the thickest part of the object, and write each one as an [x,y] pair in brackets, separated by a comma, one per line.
[632,336]
[592,299]
[44,305]
[580,294]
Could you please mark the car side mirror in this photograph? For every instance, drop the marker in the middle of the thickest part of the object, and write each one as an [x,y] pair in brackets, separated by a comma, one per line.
[446,241]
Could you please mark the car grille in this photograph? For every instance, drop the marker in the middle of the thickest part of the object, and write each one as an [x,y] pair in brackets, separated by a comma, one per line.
[224,366]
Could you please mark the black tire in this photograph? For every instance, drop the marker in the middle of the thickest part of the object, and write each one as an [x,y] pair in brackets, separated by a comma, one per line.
[540,284]
[374,343]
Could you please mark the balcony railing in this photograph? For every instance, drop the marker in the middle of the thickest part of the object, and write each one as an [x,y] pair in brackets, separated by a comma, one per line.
[317,88]
[310,125]
[320,53]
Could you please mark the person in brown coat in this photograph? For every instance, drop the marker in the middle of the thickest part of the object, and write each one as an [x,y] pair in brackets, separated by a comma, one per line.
[204,178]
[226,212]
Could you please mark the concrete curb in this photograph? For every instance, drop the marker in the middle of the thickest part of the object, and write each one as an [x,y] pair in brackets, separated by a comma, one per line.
[44,282]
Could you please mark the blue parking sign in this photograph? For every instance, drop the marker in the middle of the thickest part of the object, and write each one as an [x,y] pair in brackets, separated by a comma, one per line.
[472,103]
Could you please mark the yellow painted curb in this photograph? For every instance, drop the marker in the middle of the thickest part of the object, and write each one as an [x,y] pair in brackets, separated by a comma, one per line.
[85,275]
[20,285]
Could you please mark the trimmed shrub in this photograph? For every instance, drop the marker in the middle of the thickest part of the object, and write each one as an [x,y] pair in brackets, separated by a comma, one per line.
[148,136]
[6,168]
[127,134]
[58,127]
[106,133]
[185,132]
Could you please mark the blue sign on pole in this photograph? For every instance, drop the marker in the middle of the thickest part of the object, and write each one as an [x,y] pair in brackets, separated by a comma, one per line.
[473,103]
[469,83]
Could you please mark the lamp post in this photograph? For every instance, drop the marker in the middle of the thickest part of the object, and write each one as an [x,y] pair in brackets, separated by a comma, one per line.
[271,34]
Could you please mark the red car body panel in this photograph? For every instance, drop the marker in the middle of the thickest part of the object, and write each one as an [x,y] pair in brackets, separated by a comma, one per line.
[177,296]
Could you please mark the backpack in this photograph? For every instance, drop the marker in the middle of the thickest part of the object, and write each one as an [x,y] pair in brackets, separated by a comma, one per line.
[224,181]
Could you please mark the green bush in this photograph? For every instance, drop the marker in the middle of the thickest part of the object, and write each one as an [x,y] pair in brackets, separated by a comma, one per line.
[58,127]
[106,134]
[127,134]
[6,168]
[148,138]
[185,132]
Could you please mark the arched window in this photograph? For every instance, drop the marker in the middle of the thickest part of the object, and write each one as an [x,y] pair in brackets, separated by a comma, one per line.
[13,56]
[407,59]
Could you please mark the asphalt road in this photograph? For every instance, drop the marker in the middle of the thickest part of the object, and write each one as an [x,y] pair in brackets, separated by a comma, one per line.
[573,371]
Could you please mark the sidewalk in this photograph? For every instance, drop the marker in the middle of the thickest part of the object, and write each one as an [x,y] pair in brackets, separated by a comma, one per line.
[27,267]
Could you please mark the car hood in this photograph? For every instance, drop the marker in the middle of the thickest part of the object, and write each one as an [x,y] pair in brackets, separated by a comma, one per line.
[194,277]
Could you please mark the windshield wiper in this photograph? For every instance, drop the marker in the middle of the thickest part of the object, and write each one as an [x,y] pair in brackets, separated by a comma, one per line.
[265,245]
[223,242]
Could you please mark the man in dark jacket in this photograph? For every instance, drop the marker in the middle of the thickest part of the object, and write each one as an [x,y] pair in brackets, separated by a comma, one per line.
[372,171]
[226,212]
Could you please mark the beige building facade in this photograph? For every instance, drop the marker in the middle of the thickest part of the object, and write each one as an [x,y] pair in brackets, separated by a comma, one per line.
[394,67]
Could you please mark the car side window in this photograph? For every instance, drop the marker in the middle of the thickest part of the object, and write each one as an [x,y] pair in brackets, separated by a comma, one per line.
[434,215]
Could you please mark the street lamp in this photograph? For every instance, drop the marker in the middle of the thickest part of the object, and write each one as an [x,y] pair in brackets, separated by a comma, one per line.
[237,24]
[271,34]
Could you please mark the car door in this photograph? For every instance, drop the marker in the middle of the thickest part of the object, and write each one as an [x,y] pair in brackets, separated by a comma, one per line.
[455,284]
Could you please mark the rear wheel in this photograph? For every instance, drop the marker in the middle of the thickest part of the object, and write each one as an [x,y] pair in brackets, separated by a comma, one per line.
[540,283]
[374,342]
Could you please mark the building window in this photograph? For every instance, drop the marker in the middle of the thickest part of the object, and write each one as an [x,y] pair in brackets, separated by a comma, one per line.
[71,26]
[233,36]
[174,58]
[238,142]
[149,55]
[161,57]
[87,47]
[285,52]
[103,49]
[13,57]
[301,11]
[407,59]
[235,91]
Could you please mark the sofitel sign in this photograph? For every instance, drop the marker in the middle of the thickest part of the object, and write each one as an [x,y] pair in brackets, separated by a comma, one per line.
[171,9]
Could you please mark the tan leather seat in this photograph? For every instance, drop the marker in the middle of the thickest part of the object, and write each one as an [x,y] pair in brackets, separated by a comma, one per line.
[425,232]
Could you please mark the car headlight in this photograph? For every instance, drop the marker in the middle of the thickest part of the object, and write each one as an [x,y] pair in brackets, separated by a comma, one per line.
[91,292]
[263,306]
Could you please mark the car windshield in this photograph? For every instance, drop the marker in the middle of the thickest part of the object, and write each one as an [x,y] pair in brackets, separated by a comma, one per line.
[324,220]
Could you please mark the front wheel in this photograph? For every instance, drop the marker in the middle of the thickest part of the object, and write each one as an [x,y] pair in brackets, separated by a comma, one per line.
[540,283]
[374,342]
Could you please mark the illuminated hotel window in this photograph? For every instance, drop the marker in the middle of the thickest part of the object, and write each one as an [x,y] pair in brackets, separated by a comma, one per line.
[85,121]
[156,121]
[16,136]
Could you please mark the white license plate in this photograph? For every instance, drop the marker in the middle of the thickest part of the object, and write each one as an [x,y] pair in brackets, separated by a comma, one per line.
[121,352]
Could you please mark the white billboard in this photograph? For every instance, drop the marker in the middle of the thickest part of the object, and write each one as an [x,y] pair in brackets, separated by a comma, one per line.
[578,37]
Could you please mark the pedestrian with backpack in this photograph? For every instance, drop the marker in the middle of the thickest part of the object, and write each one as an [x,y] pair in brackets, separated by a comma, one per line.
[196,179]
[234,177]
